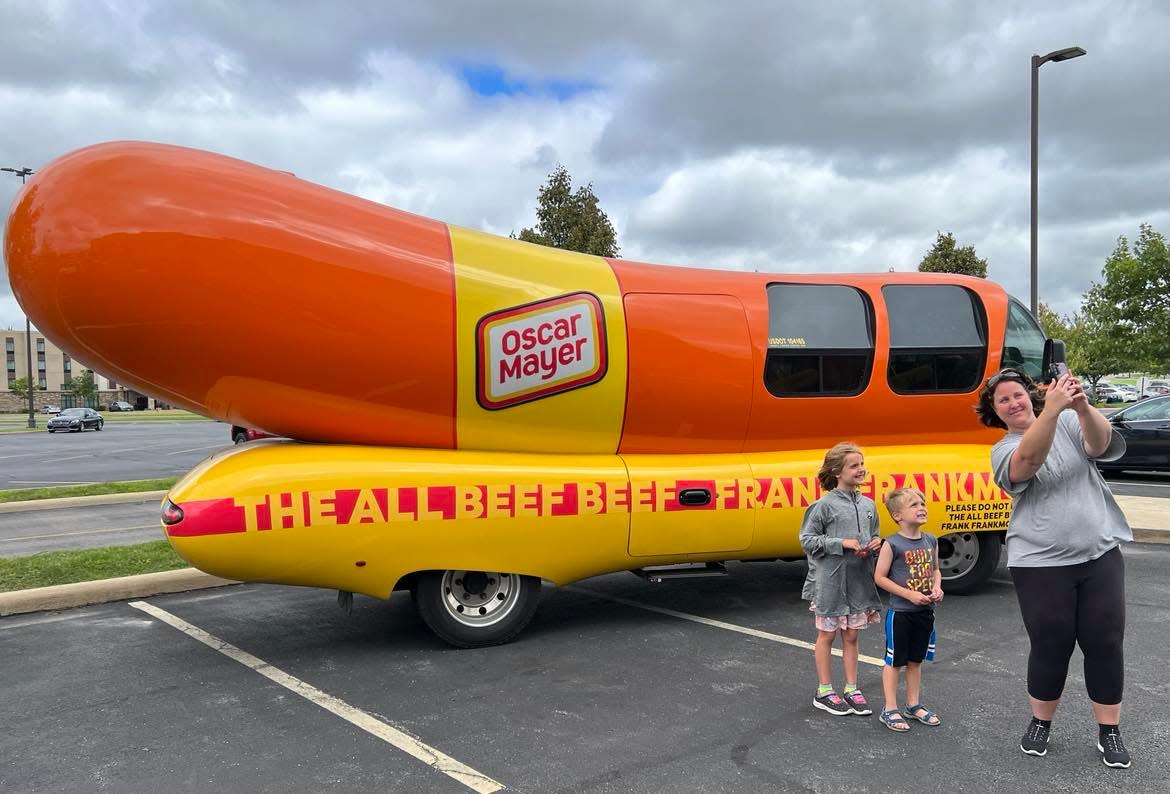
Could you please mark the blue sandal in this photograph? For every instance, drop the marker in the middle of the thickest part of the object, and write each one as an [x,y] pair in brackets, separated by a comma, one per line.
[922,714]
[894,721]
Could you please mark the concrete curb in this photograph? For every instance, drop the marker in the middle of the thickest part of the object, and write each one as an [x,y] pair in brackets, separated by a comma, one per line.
[79,594]
[140,497]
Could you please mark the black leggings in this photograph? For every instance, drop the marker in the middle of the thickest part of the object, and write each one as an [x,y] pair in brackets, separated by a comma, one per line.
[1069,605]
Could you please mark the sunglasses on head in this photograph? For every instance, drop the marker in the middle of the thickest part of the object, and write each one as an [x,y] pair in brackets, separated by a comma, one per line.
[1007,373]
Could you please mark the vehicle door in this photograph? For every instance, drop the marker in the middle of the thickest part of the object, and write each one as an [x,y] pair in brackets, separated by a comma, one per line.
[1146,428]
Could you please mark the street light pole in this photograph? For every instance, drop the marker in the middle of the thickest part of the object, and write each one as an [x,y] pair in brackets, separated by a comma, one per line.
[24,173]
[1037,62]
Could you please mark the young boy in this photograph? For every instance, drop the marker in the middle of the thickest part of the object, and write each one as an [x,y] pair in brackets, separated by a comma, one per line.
[907,569]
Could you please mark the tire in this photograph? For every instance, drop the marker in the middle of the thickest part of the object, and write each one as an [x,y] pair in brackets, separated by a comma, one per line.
[239,437]
[967,560]
[101,423]
[502,607]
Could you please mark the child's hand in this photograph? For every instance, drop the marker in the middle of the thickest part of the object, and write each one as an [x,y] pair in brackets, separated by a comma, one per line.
[936,594]
[921,599]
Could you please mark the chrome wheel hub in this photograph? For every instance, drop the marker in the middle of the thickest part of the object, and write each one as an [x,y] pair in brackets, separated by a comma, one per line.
[479,598]
[957,554]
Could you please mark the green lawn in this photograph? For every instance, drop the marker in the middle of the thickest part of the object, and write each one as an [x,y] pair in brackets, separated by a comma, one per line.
[59,491]
[64,567]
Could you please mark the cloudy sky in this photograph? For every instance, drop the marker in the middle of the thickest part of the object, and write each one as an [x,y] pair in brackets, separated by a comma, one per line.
[772,135]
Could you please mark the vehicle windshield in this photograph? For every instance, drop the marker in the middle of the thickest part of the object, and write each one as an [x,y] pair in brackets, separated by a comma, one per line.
[73,412]
[1023,341]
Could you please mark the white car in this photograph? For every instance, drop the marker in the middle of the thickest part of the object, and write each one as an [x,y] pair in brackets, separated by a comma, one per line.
[1128,393]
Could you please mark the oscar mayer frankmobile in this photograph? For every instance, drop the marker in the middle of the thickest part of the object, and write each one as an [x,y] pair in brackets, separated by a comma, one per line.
[475,414]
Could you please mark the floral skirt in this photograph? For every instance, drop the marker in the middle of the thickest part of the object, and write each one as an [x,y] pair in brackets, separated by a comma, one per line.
[855,620]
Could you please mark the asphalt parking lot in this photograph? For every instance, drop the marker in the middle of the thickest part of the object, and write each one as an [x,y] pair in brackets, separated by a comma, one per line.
[616,686]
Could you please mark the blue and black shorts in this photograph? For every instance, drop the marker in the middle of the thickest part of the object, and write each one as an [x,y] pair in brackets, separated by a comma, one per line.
[909,637]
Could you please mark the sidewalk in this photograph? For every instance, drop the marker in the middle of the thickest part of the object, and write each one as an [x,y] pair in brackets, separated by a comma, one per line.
[1149,516]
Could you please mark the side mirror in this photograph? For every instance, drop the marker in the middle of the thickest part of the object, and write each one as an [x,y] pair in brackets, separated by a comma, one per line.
[1052,364]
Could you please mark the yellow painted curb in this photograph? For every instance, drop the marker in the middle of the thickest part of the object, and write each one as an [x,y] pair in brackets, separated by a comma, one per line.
[78,594]
[81,501]
[1146,512]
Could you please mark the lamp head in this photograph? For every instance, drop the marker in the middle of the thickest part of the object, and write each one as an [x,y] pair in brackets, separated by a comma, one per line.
[1066,54]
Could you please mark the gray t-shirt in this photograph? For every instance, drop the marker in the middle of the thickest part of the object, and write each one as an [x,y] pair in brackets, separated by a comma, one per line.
[913,565]
[1065,514]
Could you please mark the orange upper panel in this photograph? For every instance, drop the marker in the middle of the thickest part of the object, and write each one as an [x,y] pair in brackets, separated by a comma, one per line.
[242,293]
[876,416]
[691,373]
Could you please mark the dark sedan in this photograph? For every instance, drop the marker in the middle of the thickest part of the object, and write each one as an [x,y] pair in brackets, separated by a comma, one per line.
[1146,429]
[76,419]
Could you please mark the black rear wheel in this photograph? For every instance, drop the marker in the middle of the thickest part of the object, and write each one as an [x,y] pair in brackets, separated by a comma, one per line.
[473,609]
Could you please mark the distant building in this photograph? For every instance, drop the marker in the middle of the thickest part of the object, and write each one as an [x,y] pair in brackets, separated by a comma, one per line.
[52,369]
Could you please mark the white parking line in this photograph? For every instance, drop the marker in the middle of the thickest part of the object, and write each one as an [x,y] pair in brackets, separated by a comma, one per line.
[198,449]
[719,624]
[368,723]
[53,482]
[157,526]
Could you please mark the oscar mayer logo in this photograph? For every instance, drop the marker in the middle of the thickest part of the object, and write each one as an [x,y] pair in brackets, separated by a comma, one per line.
[539,349]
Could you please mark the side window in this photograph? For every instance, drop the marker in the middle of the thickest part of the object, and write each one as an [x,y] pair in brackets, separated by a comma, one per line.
[1023,341]
[938,338]
[820,340]
[1151,411]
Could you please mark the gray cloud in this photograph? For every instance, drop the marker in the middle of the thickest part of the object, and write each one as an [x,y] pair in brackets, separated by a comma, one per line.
[792,136]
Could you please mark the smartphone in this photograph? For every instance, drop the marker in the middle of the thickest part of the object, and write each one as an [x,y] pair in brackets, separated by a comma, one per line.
[1061,369]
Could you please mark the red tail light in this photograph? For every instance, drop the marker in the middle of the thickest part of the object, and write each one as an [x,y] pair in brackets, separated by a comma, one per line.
[171,513]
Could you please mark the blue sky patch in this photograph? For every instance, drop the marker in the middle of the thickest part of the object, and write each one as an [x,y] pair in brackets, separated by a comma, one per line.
[491,80]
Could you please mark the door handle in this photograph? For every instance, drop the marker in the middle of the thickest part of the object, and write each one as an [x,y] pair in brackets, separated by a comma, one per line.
[694,497]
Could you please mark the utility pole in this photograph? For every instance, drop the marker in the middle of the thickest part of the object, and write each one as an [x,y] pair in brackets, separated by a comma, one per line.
[24,173]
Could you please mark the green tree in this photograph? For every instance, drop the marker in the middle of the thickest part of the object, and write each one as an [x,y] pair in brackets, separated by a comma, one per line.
[1130,307]
[1092,352]
[945,257]
[570,220]
[19,387]
[83,386]
[1054,324]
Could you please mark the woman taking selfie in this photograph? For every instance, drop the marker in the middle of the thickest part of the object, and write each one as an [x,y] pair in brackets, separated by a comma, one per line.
[1063,546]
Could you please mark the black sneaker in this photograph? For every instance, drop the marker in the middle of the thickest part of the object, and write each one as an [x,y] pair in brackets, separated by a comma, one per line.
[832,703]
[1035,741]
[1113,752]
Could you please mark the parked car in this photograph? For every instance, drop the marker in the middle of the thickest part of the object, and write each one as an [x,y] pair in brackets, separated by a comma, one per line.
[78,419]
[52,409]
[1146,430]
[242,435]
[1108,394]
[1128,393]
[121,405]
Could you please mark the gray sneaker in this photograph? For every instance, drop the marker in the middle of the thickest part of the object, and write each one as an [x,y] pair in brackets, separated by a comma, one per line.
[832,703]
[1035,741]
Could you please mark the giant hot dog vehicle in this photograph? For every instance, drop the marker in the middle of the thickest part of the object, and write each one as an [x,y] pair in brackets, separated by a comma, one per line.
[475,414]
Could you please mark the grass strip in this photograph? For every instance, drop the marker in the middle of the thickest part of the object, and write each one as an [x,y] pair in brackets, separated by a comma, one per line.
[94,489]
[87,565]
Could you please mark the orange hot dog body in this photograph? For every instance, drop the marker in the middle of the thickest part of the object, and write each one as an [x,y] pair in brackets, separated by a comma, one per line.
[263,300]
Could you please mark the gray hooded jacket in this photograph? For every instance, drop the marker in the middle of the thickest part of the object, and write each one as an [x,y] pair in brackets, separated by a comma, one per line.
[839,582]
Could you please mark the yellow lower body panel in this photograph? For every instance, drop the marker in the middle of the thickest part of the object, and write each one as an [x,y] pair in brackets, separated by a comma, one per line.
[361,518]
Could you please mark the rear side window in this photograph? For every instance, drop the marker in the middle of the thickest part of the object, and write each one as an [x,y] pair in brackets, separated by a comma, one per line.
[820,340]
[938,338]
